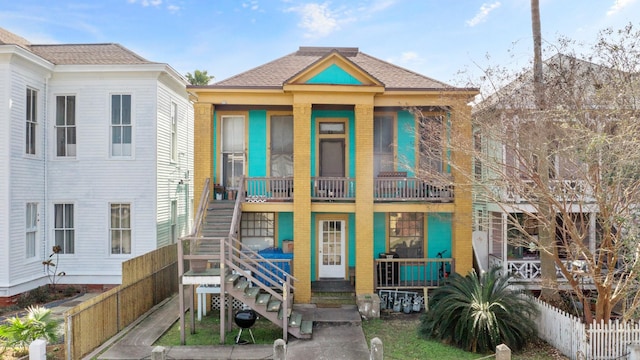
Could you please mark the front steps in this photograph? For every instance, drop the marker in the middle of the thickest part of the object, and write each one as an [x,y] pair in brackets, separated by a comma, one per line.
[271,309]
[332,293]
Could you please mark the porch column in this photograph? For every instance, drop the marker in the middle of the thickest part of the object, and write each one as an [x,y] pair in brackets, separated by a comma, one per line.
[302,201]
[364,198]
[203,147]
[461,134]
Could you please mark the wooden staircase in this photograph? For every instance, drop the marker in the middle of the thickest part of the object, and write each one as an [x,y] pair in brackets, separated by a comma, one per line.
[265,289]
[268,307]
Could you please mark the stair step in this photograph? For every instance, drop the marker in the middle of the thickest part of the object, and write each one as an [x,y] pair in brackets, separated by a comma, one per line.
[251,292]
[274,305]
[241,285]
[232,278]
[281,311]
[295,319]
[306,327]
[263,299]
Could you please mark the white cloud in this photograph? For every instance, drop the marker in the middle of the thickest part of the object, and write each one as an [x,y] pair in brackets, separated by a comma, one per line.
[317,19]
[253,5]
[482,14]
[409,56]
[146,3]
[618,5]
[173,8]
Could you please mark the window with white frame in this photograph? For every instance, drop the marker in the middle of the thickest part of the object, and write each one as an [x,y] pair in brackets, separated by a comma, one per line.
[232,150]
[31,229]
[120,228]
[121,125]
[174,221]
[64,230]
[281,145]
[174,131]
[32,121]
[406,234]
[257,230]
[65,126]
[382,144]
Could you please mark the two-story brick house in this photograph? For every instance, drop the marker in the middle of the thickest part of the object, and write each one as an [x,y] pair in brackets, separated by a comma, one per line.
[326,142]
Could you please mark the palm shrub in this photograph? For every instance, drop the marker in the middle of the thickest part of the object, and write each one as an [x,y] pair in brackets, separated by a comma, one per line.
[478,313]
[19,332]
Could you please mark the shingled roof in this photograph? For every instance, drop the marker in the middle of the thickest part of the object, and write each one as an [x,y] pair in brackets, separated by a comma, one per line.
[77,54]
[275,74]
[88,54]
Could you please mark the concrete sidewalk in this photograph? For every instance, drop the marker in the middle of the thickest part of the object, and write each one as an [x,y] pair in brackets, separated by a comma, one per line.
[337,334]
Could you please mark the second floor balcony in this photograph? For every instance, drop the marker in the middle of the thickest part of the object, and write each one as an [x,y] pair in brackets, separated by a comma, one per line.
[385,189]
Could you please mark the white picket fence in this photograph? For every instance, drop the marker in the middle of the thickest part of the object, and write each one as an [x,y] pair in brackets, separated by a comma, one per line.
[601,341]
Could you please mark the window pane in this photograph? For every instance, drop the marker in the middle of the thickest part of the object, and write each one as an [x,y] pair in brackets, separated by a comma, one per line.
[60,110]
[126,134]
[126,109]
[406,234]
[116,135]
[115,110]
[233,133]
[115,242]
[71,110]
[68,214]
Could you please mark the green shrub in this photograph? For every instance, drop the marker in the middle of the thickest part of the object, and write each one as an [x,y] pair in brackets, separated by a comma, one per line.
[19,332]
[479,313]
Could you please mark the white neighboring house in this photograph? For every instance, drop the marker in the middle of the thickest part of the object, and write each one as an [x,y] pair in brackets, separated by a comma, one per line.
[96,157]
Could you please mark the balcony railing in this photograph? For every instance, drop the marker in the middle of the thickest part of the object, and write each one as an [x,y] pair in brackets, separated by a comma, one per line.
[564,190]
[397,273]
[530,270]
[269,189]
[408,189]
[333,188]
[263,189]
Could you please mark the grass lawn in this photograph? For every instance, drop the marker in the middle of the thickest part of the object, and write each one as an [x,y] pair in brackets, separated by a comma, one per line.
[400,340]
[208,332]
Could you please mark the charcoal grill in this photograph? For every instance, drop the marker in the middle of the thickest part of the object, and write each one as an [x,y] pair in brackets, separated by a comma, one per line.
[245,319]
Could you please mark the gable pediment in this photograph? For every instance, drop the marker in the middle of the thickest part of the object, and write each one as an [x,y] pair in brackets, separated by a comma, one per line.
[333,69]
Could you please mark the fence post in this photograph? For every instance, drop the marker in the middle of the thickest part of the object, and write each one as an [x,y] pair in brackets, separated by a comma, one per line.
[377,350]
[38,350]
[158,353]
[503,352]
[279,350]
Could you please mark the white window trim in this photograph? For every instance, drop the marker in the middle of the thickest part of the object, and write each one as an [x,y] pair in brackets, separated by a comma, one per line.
[110,128]
[174,131]
[54,143]
[34,122]
[33,229]
[53,226]
[110,252]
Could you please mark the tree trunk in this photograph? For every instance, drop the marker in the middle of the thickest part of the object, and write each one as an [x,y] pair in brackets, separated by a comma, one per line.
[547,228]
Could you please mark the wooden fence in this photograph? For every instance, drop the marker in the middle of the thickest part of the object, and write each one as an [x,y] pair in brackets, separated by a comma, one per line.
[146,281]
[574,339]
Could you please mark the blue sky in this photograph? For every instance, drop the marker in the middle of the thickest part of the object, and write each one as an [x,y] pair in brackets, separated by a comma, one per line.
[437,38]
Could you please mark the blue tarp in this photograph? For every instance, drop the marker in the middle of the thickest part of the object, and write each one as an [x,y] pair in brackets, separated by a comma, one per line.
[277,268]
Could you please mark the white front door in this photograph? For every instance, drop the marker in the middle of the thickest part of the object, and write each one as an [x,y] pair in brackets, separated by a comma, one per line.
[331,249]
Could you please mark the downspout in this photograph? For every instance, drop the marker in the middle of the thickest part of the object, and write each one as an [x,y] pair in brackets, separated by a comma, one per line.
[45,160]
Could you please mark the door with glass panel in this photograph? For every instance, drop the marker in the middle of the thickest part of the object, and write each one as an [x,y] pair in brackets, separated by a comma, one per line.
[232,150]
[331,249]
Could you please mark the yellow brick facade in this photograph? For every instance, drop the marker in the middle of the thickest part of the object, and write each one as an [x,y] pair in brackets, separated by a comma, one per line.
[300,100]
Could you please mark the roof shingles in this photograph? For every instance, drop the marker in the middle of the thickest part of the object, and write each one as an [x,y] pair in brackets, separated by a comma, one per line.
[274,74]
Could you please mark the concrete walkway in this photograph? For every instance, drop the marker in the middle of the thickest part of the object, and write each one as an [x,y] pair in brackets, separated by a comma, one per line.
[337,334]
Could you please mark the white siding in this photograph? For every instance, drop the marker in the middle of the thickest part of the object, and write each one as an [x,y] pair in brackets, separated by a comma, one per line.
[91,180]
[23,176]
[170,173]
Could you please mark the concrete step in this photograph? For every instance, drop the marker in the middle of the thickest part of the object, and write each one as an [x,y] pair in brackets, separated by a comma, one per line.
[306,327]
[295,319]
